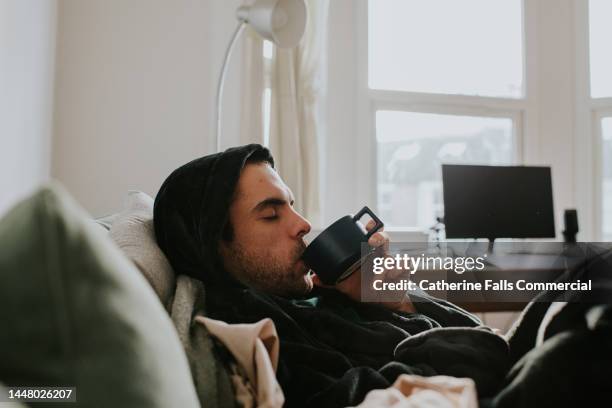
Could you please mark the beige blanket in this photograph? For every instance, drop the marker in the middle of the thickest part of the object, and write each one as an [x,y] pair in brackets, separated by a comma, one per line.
[413,391]
[255,348]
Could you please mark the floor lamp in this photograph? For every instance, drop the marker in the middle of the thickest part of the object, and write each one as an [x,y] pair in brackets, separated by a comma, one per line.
[280,21]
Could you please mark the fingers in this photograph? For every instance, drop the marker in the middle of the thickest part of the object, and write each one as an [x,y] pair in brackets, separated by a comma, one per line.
[377,239]
[393,274]
[371,224]
[380,241]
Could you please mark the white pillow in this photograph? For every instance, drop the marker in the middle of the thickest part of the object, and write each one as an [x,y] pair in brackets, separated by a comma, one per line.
[134,233]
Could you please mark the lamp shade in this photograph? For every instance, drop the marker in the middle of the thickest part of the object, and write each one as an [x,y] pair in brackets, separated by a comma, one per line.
[280,21]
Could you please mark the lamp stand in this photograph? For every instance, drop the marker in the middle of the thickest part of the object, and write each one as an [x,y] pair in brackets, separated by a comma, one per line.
[221,83]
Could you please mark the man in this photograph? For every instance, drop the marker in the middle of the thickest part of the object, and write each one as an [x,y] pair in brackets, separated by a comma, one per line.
[228,220]
[263,251]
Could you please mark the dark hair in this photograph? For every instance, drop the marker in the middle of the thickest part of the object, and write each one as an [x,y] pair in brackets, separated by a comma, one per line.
[227,233]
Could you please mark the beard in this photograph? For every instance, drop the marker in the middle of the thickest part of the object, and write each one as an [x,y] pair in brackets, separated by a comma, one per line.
[263,271]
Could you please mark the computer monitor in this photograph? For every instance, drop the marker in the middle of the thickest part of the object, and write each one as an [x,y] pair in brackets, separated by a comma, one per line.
[497,202]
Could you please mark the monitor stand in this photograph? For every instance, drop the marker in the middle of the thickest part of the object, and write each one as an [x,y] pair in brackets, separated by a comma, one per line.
[490,246]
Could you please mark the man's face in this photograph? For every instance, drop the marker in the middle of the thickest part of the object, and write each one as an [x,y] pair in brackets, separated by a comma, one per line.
[268,235]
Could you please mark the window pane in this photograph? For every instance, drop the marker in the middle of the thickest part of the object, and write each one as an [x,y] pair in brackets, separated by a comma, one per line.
[268,49]
[600,34]
[470,47]
[267,103]
[411,148]
[606,125]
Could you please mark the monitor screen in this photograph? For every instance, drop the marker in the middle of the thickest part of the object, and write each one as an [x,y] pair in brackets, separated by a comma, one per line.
[497,202]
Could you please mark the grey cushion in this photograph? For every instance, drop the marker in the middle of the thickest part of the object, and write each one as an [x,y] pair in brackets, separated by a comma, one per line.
[75,311]
[132,230]
[107,221]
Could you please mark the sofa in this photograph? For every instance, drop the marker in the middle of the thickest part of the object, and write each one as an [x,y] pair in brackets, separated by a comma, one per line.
[95,305]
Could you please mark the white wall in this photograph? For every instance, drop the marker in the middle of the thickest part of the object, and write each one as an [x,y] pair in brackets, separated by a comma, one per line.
[27,48]
[135,89]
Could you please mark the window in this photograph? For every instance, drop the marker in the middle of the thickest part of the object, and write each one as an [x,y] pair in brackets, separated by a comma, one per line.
[600,63]
[414,83]
[438,46]
[606,136]
[600,33]
[411,148]
[268,50]
[433,53]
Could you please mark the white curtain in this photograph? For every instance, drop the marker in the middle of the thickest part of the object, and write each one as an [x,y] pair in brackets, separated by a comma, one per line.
[296,80]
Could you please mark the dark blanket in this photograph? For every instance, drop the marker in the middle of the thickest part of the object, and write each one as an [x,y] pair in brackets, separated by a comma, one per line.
[561,348]
[333,350]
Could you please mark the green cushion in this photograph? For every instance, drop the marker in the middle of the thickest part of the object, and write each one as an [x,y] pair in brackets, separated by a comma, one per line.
[74,311]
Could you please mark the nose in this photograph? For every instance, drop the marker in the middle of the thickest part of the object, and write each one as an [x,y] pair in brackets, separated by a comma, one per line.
[301,226]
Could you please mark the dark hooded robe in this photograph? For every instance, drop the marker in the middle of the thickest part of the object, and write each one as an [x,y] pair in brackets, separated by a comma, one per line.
[332,350]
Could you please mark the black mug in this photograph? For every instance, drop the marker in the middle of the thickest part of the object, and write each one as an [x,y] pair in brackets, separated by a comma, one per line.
[336,252]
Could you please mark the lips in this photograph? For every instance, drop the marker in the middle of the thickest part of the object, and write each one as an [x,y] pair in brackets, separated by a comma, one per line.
[302,266]
[299,263]
[299,251]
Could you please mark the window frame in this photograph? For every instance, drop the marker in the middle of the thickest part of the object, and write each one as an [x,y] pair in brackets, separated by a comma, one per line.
[598,114]
[557,126]
[370,101]
[589,114]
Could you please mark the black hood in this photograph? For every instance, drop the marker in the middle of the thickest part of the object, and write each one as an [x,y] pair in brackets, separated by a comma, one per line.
[192,208]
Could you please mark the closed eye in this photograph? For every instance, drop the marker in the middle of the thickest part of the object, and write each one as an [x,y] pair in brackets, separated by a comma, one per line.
[270,214]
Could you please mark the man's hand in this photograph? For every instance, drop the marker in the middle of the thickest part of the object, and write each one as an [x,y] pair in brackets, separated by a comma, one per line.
[351,286]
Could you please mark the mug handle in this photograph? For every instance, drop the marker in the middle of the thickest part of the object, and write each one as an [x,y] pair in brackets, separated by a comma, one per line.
[379,224]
